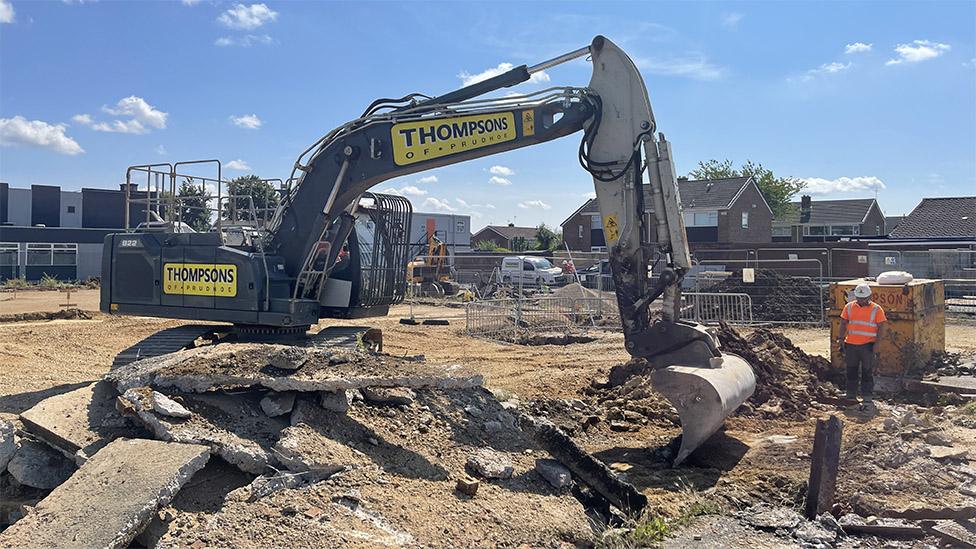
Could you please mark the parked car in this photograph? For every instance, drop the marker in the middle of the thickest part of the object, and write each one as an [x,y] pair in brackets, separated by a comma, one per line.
[591,276]
[524,269]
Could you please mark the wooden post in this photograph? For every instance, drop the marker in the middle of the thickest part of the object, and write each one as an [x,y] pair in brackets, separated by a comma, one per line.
[824,464]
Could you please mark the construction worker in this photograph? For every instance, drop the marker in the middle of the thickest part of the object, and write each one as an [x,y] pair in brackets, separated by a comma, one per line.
[861,329]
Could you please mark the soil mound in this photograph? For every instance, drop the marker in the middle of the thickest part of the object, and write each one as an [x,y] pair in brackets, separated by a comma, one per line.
[777,297]
[575,290]
[63,314]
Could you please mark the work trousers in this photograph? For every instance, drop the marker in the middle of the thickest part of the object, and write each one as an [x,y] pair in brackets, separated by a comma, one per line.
[860,356]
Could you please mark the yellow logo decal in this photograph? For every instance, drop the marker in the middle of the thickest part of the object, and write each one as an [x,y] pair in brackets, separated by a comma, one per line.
[426,140]
[200,279]
[611,228]
[528,123]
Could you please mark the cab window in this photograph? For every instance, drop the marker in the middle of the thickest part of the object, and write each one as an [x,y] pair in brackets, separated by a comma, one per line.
[526,266]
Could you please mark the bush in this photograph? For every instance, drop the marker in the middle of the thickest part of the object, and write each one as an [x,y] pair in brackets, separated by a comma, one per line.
[16,283]
[49,282]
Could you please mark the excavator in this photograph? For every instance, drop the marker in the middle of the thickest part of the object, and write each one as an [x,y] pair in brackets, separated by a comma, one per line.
[430,273]
[335,250]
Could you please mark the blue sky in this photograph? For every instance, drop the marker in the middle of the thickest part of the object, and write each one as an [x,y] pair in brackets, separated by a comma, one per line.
[857,98]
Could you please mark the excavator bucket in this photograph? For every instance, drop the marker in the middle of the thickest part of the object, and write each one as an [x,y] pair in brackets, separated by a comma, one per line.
[704,396]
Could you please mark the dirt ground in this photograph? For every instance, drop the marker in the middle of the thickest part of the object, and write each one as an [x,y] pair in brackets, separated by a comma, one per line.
[743,464]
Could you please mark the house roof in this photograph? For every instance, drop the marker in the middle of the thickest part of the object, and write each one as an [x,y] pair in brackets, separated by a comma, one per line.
[940,218]
[698,194]
[508,232]
[892,221]
[830,212]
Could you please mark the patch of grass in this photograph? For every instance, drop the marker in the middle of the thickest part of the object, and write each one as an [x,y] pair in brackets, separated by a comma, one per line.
[16,283]
[49,282]
[650,532]
[969,409]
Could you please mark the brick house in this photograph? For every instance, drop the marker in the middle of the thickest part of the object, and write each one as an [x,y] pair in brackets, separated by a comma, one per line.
[715,210]
[817,221]
[504,235]
[940,218]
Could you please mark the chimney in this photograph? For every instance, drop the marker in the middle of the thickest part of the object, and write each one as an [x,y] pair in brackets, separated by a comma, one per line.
[511,224]
[682,178]
[805,207]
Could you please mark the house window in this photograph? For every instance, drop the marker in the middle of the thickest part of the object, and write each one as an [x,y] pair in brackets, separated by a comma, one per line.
[701,219]
[782,231]
[842,230]
[816,230]
[598,248]
[745,220]
[52,254]
[595,222]
[459,226]
[71,209]
[580,231]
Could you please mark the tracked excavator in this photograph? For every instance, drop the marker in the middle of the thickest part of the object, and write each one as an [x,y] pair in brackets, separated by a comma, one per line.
[333,249]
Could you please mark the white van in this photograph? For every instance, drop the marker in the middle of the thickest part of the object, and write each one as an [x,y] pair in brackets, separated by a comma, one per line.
[524,269]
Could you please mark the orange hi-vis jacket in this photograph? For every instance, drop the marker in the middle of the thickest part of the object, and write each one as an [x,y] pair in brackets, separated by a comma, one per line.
[862,322]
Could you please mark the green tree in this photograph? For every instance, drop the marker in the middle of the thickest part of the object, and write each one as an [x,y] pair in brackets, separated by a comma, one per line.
[193,209]
[262,193]
[778,191]
[547,239]
[519,244]
[489,246]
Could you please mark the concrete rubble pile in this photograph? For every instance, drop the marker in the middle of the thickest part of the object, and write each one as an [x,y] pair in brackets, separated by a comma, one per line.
[341,439]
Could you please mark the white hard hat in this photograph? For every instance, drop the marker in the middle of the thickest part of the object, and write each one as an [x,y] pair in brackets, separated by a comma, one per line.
[862,290]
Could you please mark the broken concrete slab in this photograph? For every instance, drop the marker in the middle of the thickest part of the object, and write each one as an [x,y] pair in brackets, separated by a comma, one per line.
[489,463]
[388,396]
[277,404]
[335,401]
[233,426]
[80,422]
[957,533]
[38,465]
[931,513]
[942,453]
[7,445]
[162,404]
[111,498]
[241,365]
[768,517]
[302,448]
[554,472]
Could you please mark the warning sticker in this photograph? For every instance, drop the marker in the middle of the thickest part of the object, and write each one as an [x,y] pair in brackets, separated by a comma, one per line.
[528,123]
[428,139]
[208,279]
[611,228]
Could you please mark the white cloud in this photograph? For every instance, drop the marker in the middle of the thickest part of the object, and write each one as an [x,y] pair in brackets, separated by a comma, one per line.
[826,68]
[248,121]
[427,180]
[816,185]
[243,17]
[83,119]
[530,204]
[161,151]
[120,126]
[139,110]
[918,51]
[589,195]
[732,20]
[495,180]
[694,66]
[501,170]
[490,206]
[408,190]
[857,47]
[37,133]
[438,205]
[190,2]
[6,12]
[238,165]
[467,79]
[245,41]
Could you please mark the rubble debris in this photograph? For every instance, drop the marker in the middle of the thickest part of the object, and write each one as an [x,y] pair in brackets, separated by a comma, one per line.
[941,453]
[768,517]
[15,499]
[903,530]
[287,358]
[787,379]
[937,439]
[489,463]
[775,296]
[554,472]
[467,485]
[277,404]
[930,513]
[38,465]
[243,365]
[302,449]
[79,422]
[388,396]
[233,426]
[957,533]
[266,485]
[162,404]
[114,495]
[335,401]
[584,466]
[7,444]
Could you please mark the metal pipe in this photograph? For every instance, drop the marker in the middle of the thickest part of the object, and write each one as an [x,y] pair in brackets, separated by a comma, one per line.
[575,54]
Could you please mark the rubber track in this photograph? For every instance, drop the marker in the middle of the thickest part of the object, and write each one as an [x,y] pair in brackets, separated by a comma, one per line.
[162,342]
